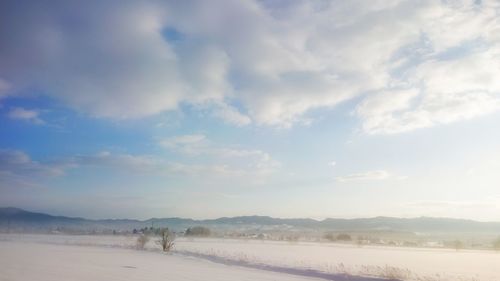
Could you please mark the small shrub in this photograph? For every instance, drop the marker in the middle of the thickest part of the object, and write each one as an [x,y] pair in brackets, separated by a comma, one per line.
[167,239]
[141,242]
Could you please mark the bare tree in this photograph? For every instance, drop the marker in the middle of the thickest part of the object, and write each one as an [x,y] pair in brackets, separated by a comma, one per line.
[167,239]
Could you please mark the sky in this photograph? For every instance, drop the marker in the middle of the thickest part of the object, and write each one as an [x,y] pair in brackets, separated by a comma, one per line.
[202,109]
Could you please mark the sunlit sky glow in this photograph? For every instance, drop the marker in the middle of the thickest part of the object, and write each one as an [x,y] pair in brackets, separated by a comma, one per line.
[113,109]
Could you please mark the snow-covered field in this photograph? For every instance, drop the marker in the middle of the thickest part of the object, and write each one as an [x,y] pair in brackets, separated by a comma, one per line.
[47,262]
[64,257]
[413,263]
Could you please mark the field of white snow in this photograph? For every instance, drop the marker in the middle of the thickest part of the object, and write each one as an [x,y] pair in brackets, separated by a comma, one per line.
[66,257]
[408,263]
[47,262]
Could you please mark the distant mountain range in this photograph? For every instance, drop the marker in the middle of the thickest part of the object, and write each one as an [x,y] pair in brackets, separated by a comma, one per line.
[15,219]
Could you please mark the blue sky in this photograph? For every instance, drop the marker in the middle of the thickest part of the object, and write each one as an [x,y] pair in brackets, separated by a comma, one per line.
[223,108]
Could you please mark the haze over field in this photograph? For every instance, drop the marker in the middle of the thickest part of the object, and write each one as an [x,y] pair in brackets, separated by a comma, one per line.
[354,123]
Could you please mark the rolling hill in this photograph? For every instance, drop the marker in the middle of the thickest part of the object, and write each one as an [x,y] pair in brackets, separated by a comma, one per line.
[15,219]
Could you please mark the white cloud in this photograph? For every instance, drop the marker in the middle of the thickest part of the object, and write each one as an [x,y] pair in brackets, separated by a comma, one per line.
[115,65]
[386,102]
[30,115]
[376,175]
[455,79]
[427,111]
[196,145]
[190,144]
[231,115]
[278,63]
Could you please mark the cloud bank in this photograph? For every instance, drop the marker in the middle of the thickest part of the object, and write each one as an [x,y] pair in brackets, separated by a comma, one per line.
[415,64]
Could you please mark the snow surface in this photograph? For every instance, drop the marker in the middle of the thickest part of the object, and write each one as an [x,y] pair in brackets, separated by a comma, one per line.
[285,260]
[22,261]
[418,263]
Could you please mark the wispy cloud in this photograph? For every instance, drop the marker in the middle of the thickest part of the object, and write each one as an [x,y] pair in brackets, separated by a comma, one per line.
[30,115]
[128,162]
[375,175]
[190,144]
[17,169]
[252,160]
[231,115]
[19,163]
